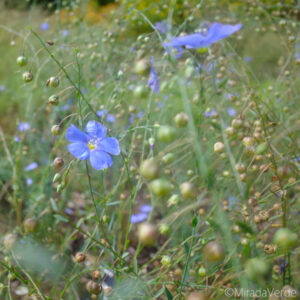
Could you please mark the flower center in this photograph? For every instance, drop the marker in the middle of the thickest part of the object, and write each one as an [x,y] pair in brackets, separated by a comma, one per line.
[92,144]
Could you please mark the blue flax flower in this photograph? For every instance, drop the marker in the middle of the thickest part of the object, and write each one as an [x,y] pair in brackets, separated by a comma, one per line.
[153,81]
[109,117]
[31,166]
[44,26]
[92,144]
[216,32]
[23,126]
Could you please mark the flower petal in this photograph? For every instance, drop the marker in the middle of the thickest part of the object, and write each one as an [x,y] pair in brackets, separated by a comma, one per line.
[110,145]
[79,150]
[73,135]
[95,129]
[100,160]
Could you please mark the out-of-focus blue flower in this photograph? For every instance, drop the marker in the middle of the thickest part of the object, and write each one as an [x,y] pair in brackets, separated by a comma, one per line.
[2,88]
[109,117]
[231,199]
[31,166]
[247,58]
[29,181]
[138,218]
[296,159]
[45,26]
[93,144]
[17,139]
[153,81]
[146,208]
[283,265]
[163,26]
[231,112]
[216,32]
[65,32]
[209,113]
[23,126]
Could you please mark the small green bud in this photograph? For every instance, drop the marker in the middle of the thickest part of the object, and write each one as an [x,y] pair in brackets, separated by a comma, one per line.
[181,119]
[173,200]
[202,272]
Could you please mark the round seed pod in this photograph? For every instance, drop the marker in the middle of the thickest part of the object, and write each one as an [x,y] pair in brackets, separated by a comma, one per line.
[30,225]
[181,119]
[27,77]
[96,275]
[55,130]
[168,158]
[58,163]
[219,147]
[160,187]
[93,287]
[213,251]
[22,61]
[147,234]
[202,272]
[80,257]
[149,169]
[164,229]
[53,100]
[187,190]
[53,82]
[285,238]
[9,240]
[256,267]
[142,67]
[196,296]
[166,133]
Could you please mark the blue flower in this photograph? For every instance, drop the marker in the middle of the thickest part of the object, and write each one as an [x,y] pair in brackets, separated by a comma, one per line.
[231,112]
[29,181]
[2,87]
[65,32]
[44,26]
[216,32]
[209,112]
[31,166]
[138,218]
[23,126]
[146,208]
[93,144]
[153,81]
[163,26]
[109,117]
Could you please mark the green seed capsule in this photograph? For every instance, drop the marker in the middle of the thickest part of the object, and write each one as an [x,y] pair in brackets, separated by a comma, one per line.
[142,67]
[261,148]
[30,225]
[285,238]
[22,61]
[55,130]
[160,187]
[166,134]
[53,100]
[187,190]
[149,169]
[256,267]
[181,119]
[27,77]
[147,234]
[53,82]
[213,251]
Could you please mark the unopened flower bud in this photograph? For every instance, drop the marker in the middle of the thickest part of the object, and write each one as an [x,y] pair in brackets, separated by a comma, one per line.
[219,147]
[22,61]
[53,100]
[53,82]
[58,163]
[55,130]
